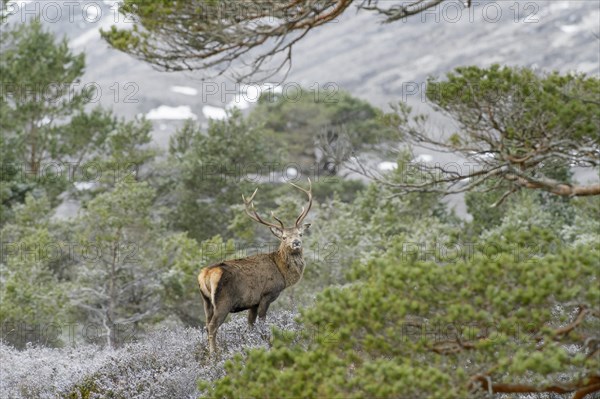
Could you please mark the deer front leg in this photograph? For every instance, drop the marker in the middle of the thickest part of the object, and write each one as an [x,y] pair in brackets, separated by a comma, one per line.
[263,307]
[264,304]
[252,313]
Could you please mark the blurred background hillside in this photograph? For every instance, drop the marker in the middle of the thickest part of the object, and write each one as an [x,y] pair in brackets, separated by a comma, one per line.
[373,61]
[380,63]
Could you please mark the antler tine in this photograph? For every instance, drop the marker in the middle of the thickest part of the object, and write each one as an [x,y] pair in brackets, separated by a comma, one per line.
[276,218]
[309,194]
[253,214]
[247,202]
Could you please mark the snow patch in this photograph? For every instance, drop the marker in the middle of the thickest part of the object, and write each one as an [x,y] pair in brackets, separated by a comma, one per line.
[423,158]
[188,91]
[248,94]
[216,113]
[239,102]
[45,120]
[84,185]
[251,92]
[570,28]
[387,166]
[171,113]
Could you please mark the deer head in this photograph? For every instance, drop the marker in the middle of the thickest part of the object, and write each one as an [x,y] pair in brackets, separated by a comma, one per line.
[290,237]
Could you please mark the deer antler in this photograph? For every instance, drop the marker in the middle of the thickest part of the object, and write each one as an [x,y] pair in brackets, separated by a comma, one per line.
[250,211]
[276,218]
[304,211]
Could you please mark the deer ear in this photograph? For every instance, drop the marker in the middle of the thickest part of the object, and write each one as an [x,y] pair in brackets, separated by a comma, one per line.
[276,232]
[306,226]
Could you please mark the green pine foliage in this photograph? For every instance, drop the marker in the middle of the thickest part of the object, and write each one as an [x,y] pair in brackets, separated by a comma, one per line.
[304,120]
[32,290]
[206,173]
[400,297]
[408,328]
[527,105]
[50,140]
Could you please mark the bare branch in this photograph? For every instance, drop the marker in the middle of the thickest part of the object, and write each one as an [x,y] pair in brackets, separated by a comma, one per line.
[401,11]
[258,37]
[587,385]
[504,140]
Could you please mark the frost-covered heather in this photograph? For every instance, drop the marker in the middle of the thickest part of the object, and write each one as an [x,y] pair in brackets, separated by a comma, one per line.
[165,364]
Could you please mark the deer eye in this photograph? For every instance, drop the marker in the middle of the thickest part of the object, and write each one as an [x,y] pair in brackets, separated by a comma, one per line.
[283,237]
[300,234]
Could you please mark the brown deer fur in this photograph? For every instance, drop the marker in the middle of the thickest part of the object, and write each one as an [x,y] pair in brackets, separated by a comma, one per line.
[254,282]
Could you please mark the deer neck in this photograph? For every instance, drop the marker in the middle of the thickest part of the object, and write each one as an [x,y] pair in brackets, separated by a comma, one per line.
[291,265]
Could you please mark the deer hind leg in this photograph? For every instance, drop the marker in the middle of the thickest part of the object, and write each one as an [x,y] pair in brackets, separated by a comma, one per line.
[208,311]
[209,279]
[218,318]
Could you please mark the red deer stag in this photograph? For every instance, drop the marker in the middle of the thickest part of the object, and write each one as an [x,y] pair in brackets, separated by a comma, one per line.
[254,282]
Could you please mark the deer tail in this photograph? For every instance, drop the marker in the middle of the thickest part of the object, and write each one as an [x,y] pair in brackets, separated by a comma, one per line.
[208,279]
